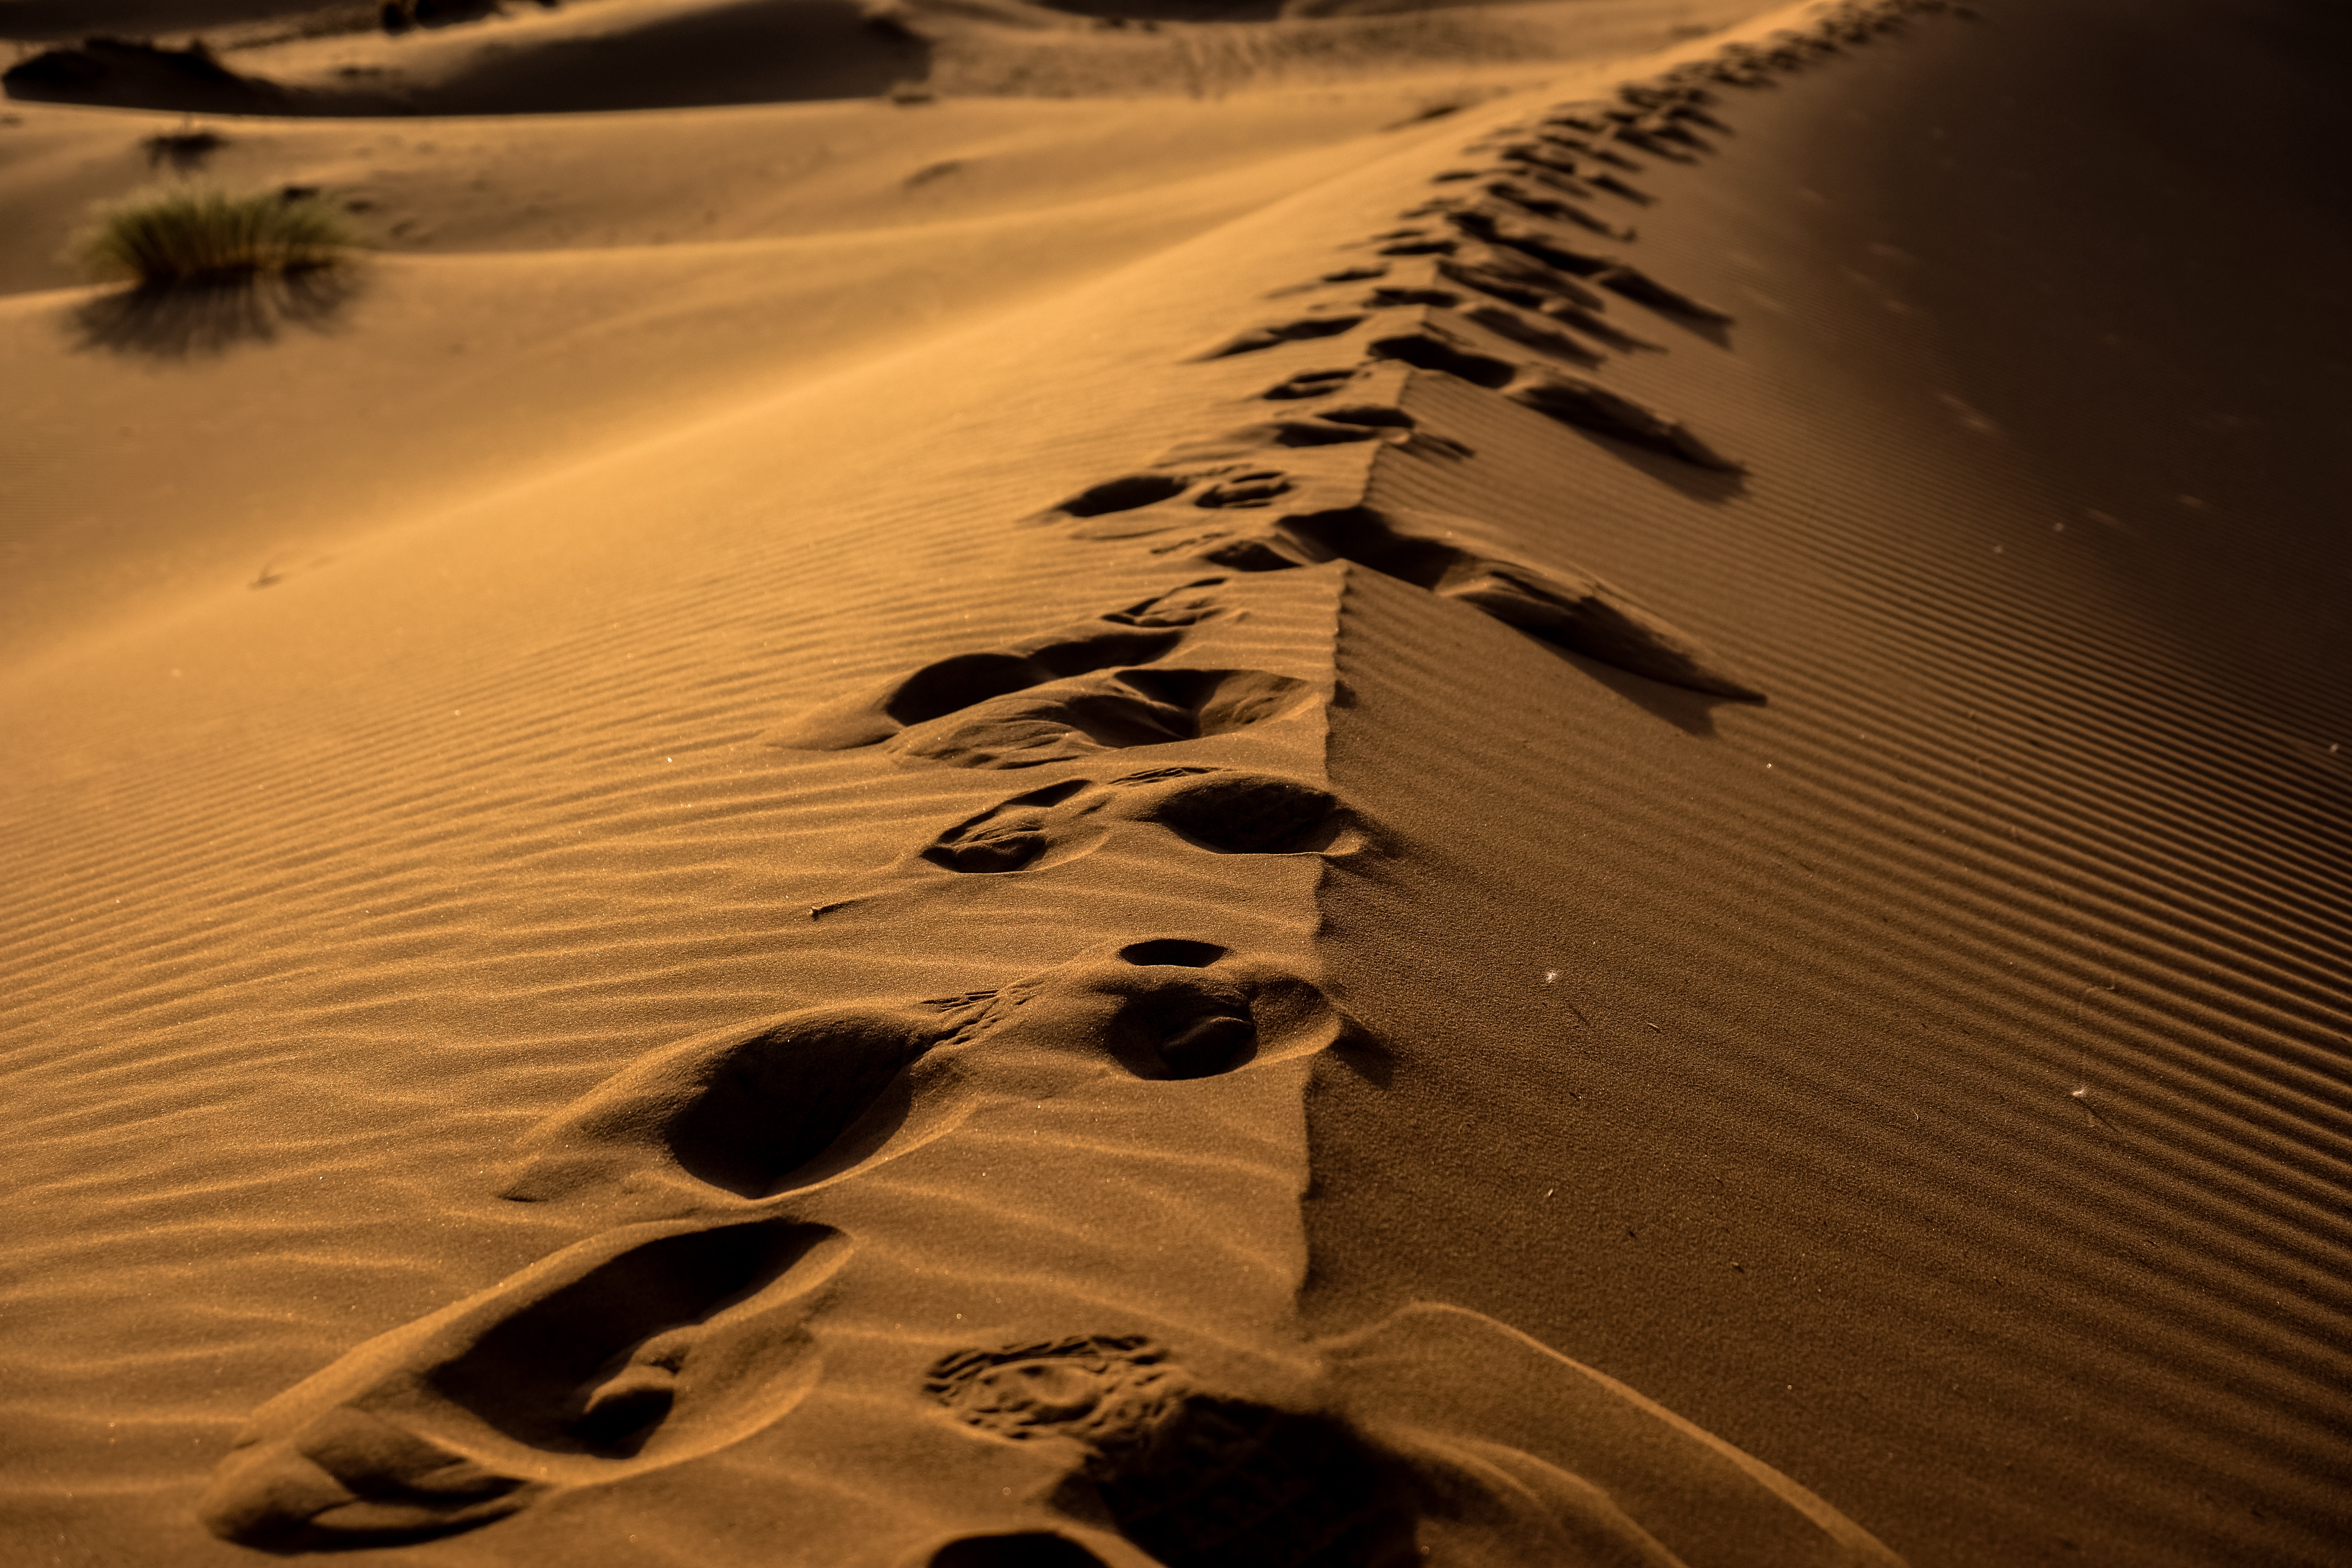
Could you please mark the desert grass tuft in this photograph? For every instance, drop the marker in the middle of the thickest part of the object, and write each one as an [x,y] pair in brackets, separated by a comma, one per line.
[175,237]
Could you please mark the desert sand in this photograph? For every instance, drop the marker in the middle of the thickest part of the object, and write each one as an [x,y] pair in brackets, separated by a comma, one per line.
[1184,784]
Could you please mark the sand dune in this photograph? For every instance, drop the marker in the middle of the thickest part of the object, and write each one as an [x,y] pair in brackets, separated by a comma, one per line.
[1610,829]
[651,54]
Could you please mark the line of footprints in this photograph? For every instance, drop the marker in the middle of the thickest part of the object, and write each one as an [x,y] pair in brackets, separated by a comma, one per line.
[682,1331]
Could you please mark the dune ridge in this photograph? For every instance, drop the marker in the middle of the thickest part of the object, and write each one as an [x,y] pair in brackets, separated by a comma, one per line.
[1139,675]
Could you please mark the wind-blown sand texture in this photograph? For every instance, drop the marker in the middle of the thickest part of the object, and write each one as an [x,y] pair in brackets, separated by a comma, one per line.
[1604,826]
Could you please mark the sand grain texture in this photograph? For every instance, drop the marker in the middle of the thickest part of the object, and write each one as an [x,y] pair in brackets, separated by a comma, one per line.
[1606,830]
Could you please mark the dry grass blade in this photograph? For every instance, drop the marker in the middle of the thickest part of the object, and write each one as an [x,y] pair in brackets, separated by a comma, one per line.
[182,236]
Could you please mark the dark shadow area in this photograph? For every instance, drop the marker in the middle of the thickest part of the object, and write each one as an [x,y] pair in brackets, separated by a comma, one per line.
[1170,950]
[183,151]
[1030,1549]
[527,1375]
[760,51]
[52,20]
[780,1098]
[401,15]
[756,51]
[189,321]
[2207,445]
[1229,1483]
[126,73]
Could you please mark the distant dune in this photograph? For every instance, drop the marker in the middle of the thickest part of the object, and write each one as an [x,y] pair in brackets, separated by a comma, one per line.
[646,54]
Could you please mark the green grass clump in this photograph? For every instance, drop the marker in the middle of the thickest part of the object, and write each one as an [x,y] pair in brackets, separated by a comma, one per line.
[183,236]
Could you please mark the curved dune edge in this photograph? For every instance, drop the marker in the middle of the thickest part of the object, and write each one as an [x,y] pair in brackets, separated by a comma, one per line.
[1026,1257]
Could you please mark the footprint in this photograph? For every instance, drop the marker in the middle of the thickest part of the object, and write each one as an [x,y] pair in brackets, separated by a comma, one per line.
[1591,407]
[1391,297]
[738,1113]
[1420,242]
[1017,1549]
[1639,287]
[1568,399]
[1652,140]
[1206,481]
[1554,208]
[1560,177]
[1505,322]
[1225,810]
[1249,552]
[1250,487]
[1568,610]
[1521,280]
[1313,430]
[1276,334]
[1516,280]
[1554,133]
[1166,1009]
[1194,1479]
[1309,383]
[1069,720]
[1430,347]
[1214,473]
[632,1351]
[1336,427]
[1675,101]
[1137,635]
[1072,1387]
[1123,494]
[1503,231]
[1016,834]
[1186,606]
[1448,283]
[1345,275]
[1551,158]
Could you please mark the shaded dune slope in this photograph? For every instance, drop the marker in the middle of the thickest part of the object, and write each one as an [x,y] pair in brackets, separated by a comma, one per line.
[1939,1073]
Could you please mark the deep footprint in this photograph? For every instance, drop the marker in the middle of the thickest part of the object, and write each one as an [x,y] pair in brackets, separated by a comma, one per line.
[640,1348]
[1273,334]
[1568,610]
[1122,709]
[1136,634]
[741,1113]
[1226,812]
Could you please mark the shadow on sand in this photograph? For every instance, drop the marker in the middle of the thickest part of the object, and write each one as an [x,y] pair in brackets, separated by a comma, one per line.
[728,51]
[193,319]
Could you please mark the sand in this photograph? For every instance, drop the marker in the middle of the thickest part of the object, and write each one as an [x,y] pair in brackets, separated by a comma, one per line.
[1578,803]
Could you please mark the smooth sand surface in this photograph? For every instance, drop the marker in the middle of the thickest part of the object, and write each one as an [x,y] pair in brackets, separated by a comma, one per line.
[1203,829]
